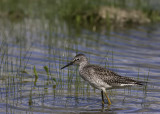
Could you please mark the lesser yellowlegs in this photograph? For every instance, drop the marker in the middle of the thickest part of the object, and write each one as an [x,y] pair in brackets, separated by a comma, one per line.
[100,77]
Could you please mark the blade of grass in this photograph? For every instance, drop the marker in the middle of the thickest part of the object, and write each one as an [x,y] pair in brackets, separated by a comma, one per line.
[46,69]
[35,74]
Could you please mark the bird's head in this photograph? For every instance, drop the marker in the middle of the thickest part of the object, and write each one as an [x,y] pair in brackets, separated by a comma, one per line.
[78,59]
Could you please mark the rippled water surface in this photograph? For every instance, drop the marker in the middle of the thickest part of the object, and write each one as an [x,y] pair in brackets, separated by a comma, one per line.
[129,52]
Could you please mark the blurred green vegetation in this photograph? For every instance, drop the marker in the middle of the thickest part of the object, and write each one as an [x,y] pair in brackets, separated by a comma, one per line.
[78,12]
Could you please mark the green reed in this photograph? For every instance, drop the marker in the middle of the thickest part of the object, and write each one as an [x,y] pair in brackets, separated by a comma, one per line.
[35,74]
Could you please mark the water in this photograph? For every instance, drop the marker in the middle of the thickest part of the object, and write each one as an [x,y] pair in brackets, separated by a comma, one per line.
[129,52]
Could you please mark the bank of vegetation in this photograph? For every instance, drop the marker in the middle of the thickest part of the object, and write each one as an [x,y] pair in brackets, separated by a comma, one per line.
[84,13]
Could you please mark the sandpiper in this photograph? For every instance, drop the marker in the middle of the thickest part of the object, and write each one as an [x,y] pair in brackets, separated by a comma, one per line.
[100,77]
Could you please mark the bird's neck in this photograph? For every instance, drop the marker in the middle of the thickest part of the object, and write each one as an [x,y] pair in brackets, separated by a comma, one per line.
[82,65]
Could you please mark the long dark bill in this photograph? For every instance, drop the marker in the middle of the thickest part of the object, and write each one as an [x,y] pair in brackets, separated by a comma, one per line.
[71,63]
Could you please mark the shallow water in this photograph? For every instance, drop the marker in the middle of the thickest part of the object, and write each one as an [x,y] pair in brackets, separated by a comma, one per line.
[129,52]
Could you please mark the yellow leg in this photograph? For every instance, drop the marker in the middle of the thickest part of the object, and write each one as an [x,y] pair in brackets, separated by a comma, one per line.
[109,102]
[102,103]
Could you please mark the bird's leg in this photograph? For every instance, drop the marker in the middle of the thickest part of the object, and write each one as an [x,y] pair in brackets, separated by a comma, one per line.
[109,102]
[102,98]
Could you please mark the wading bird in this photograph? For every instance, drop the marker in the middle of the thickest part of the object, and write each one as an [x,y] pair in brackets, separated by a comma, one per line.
[100,77]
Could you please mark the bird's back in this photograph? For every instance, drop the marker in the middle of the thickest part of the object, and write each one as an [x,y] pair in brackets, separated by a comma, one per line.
[100,75]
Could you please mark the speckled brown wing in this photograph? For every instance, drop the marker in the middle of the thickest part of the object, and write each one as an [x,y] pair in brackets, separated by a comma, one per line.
[109,77]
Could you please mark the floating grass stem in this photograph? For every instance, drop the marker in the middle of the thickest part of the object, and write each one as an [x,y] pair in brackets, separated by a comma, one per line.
[23,71]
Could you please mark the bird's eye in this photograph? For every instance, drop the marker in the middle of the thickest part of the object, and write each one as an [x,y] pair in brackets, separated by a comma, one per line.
[77,59]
